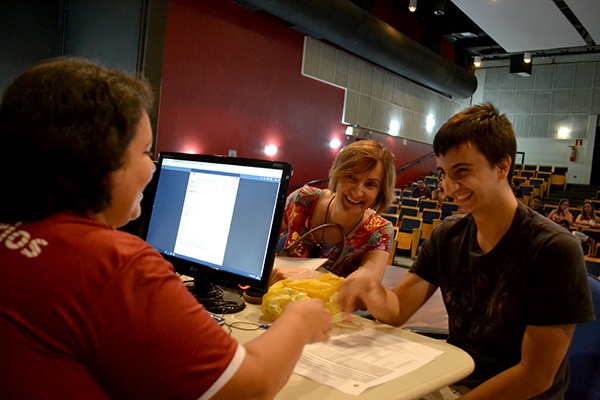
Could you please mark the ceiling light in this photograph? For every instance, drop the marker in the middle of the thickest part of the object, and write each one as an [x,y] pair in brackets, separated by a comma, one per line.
[439,7]
[394,127]
[430,124]
[412,5]
[464,35]
[477,61]
[527,58]
[563,133]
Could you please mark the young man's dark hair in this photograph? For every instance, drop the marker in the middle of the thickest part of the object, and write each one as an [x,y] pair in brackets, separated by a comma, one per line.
[565,224]
[485,128]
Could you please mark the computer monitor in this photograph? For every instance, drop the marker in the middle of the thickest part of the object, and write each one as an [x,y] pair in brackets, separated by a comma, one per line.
[217,220]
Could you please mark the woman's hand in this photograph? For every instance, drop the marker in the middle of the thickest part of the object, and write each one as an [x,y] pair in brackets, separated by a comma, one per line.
[316,319]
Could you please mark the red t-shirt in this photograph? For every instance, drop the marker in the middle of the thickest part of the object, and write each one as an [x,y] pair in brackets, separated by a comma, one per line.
[89,312]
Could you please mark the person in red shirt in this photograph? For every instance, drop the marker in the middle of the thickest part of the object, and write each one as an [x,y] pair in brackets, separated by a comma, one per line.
[90,312]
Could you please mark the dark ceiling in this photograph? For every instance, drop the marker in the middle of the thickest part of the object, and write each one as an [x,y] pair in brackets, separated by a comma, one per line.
[543,28]
[442,20]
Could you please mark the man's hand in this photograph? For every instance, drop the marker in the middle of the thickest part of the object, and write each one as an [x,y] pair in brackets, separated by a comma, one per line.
[359,290]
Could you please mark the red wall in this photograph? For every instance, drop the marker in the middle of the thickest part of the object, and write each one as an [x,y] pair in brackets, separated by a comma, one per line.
[231,80]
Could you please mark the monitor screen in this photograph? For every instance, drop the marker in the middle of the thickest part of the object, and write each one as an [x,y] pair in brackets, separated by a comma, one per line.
[217,219]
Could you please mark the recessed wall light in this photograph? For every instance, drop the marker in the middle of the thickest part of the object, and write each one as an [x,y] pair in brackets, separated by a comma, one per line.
[271,150]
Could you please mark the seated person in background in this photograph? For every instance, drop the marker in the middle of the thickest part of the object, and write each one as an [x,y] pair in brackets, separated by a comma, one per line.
[361,185]
[422,191]
[516,188]
[587,217]
[537,206]
[90,312]
[514,284]
[438,193]
[562,212]
[582,238]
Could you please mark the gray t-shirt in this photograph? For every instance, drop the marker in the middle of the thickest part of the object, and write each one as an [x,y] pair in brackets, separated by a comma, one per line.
[535,275]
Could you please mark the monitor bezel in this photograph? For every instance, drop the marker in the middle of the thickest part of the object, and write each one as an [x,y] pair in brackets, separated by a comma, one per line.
[206,274]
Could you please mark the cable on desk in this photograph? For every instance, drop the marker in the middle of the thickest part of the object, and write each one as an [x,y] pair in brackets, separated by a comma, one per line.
[245,326]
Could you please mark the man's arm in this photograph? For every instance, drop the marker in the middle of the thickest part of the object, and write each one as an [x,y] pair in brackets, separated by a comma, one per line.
[542,351]
[390,307]
[376,262]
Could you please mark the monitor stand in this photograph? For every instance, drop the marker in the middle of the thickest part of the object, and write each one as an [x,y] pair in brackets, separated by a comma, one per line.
[253,296]
[217,299]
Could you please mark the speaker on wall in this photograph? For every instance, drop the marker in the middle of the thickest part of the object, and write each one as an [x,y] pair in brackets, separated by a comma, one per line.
[518,66]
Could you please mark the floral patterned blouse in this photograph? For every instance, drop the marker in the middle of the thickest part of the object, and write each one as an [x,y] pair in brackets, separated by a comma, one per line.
[375,233]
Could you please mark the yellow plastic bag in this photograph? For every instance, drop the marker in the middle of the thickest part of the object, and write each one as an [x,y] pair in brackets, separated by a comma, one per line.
[288,290]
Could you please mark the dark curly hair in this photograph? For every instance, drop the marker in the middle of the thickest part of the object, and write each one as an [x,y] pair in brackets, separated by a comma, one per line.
[64,128]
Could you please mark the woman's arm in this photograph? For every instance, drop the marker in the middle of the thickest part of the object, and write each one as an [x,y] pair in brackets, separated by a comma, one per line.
[569,217]
[271,357]
[542,351]
[581,222]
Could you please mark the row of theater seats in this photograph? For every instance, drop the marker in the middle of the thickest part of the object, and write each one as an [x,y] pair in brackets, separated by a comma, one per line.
[535,180]
[413,221]
[558,170]
[538,180]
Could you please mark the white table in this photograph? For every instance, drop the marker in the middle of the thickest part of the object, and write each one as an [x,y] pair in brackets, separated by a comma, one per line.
[446,369]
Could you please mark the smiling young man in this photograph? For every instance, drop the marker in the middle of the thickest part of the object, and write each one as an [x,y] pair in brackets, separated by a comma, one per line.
[514,283]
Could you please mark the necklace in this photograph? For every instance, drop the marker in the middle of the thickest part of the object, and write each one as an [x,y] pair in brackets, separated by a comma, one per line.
[318,249]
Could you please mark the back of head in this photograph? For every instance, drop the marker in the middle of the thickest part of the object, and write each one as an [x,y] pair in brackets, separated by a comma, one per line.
[362,156]
[64,127]
[564,223]
[485,128]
